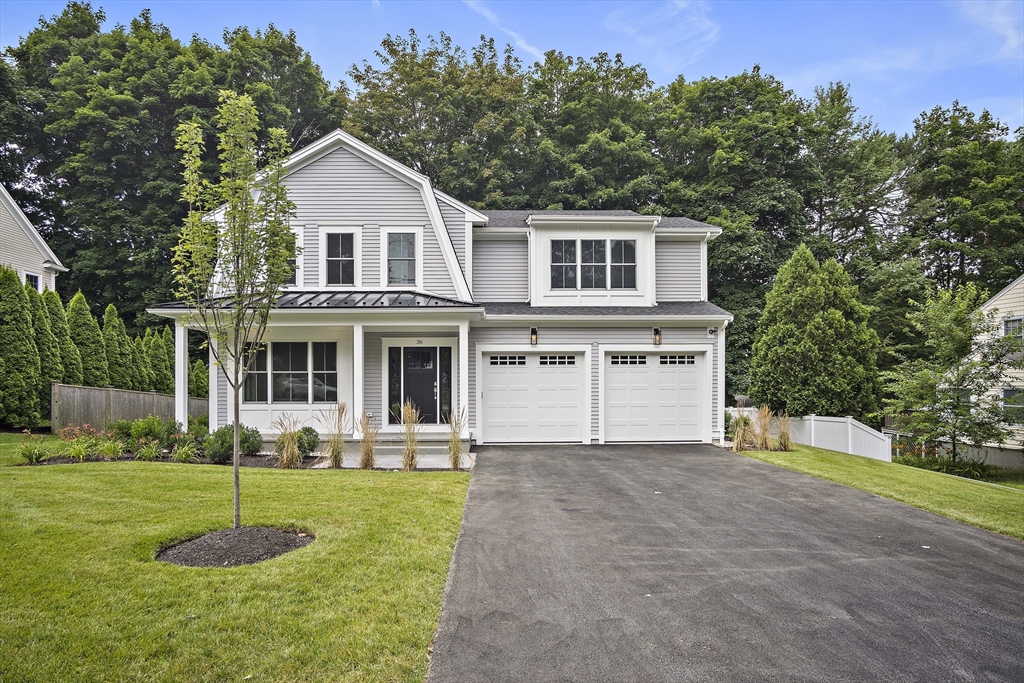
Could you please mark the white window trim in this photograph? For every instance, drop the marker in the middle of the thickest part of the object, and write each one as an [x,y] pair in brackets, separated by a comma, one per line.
[357,252]
[1013,318]
[37,276]
[387,343]
[384,233]
[309,375]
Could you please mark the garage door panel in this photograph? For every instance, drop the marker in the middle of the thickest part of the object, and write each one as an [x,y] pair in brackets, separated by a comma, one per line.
[654,397]
[539,398]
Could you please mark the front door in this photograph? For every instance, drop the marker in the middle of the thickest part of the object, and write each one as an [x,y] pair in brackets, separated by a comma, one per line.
[419,367]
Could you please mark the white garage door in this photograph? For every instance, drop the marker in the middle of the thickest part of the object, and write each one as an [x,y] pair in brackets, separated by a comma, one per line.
[533,397]
[654,397]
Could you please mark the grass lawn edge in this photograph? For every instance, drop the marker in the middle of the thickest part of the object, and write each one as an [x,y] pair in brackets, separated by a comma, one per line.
[981,504]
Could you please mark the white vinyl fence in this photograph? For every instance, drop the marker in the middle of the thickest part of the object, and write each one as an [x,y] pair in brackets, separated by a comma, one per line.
[843,434]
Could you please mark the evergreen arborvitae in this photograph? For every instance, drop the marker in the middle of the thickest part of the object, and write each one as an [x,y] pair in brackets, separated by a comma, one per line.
[70,359]
[118,350]
[814,352]
[168,339]
[199,380]
[163,379]
[19,384]
[85,333]
[147,378]
[50,367]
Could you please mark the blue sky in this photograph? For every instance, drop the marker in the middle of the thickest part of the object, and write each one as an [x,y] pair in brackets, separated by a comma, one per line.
[900,58]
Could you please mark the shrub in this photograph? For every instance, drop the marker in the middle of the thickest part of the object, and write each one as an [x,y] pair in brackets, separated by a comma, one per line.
[969,469]
[763,432]
[334,419]
[289,454]
[309,440]
[71,359]
[73,432]
[152,428]
[148,451]
[199,379]
[87,338]
[80,448]
[220,445]
[410,428]
[741,435]
[111,448]
[785,423]
[121,430]
[51,369]
[31,447]
[19,383]
[368,446]
[456,423]
[728,423]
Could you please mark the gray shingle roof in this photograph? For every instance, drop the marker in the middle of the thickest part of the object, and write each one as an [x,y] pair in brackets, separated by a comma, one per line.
[704,309]
[517,219]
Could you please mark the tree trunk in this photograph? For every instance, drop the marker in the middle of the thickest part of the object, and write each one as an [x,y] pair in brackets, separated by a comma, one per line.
[235,459]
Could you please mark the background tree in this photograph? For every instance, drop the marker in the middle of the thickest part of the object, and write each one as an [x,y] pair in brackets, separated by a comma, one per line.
[71,360]
[86,335]
[814,353]
[19,384]
[120,367]
[51,369]
[167,337]
[953,395]
[199,380]
[143,365]
[163,379]
[230,272]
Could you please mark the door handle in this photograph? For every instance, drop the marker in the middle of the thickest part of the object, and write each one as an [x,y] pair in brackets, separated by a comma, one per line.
[435,391]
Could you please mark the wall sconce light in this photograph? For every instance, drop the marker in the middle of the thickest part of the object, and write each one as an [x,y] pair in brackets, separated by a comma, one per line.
[533,336]
[657,336]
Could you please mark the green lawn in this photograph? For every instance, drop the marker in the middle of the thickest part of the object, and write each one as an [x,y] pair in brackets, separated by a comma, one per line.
[82,599]
[985,505]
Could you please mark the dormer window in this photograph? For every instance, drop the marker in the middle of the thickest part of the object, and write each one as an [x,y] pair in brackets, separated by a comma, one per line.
[601,264]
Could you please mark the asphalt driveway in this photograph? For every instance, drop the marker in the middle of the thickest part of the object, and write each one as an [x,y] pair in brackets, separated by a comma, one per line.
[689,563]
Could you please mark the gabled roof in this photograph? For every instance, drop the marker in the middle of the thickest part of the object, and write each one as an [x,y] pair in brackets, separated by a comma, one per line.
[30,230]
[1003,291]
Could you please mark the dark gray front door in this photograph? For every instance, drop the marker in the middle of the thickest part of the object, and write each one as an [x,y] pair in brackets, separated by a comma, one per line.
[420,369]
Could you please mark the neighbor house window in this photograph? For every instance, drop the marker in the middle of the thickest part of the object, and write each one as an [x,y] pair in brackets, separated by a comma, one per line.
[32,281]
[401,258]
[255,388]
[593,265]
[325,372]
[293,264]
[563,264]
[1013,406]
[289,363]
[623,264]
[341,259]
[1014,327]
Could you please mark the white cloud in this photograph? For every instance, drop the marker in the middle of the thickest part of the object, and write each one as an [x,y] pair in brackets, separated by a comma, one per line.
[674,35]
[517,39]
[1005,18]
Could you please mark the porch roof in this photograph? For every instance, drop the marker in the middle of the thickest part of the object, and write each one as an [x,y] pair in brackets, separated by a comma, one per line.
[334,299]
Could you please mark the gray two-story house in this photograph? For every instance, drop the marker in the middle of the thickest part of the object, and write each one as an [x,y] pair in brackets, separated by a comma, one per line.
[541,326]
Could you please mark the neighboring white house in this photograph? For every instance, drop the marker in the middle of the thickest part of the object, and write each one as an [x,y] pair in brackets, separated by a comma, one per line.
[22,248]
[1009,305]
[544,326]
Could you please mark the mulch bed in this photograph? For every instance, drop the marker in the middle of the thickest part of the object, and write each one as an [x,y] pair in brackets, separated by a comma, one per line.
[234,547]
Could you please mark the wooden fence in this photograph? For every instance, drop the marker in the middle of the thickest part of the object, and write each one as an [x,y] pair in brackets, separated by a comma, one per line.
[99,406]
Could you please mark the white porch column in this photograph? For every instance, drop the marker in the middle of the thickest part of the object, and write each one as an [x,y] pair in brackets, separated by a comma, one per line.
[358,366]
[181,374]
[463,396]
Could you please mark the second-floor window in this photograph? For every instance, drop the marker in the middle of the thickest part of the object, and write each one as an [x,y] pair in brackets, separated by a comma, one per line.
[341,259]
[32,281]
[601,264]
[401,258]
[1014,327]
[294,265]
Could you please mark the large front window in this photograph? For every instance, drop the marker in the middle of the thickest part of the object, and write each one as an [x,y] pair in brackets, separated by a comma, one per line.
[284,373]
[601,264]
[401,258]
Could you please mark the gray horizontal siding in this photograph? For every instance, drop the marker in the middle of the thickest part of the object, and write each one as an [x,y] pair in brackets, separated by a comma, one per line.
[373,389]
[342,189]
[501,270]
[594,337]
[677,271]
[371,256]
[455,222]
[311,255]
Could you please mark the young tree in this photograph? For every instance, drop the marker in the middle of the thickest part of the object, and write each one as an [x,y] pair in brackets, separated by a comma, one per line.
[20,383]
[50,367]
[199,380]
[814,353]
[118,350]
[70,358]
[86,335]
[953,395]
[230,270]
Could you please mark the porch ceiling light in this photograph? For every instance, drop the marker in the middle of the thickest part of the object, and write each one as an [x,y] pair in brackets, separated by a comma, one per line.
[657,336]
[533,336]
